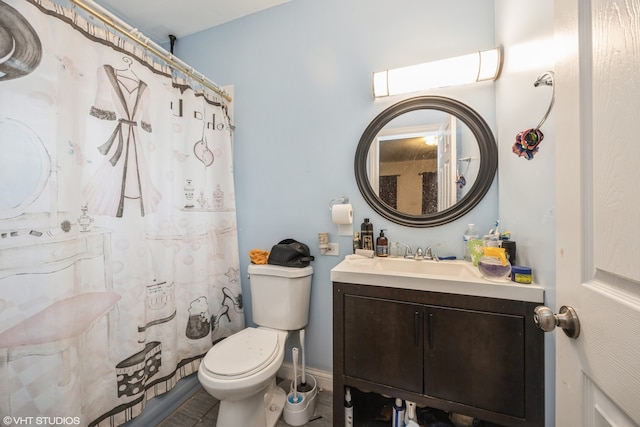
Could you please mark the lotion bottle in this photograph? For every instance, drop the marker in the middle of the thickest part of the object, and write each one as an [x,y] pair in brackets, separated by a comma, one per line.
[348,409]
[382,245]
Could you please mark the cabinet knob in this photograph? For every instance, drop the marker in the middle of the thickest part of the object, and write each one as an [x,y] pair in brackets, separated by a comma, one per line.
[567,319]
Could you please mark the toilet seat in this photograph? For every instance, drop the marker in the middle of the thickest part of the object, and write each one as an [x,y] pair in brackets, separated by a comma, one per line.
[243,353]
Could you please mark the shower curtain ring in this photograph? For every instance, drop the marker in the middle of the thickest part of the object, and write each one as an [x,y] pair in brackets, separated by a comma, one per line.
[546,79]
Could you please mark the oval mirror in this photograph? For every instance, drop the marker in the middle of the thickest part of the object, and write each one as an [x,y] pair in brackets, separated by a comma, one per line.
[426,161]
[24,167]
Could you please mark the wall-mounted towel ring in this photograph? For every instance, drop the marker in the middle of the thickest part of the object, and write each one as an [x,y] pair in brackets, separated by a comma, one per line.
[528,141]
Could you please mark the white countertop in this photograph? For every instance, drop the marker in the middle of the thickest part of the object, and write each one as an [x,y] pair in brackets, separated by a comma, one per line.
[453,277]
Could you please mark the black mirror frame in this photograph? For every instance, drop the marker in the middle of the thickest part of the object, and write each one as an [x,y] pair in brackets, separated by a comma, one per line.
[487,169]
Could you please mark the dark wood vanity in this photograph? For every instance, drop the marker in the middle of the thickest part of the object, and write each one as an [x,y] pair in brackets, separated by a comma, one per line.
[477,356]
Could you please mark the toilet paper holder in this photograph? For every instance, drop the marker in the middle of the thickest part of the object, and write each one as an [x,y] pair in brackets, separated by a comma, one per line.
[323,238]
[338,200]
[342,215]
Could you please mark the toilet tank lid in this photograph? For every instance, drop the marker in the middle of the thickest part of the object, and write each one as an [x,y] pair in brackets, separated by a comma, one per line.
[277,270]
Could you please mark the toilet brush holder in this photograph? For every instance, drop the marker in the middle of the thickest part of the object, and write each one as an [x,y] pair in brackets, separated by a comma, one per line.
[300,412]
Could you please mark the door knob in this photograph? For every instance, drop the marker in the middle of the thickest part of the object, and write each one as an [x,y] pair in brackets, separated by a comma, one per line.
[567,319]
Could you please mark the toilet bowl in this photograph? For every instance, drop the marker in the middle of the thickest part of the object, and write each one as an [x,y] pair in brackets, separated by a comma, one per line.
[240,371]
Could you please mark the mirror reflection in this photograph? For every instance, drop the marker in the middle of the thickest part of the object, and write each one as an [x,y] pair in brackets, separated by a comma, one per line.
[423,162]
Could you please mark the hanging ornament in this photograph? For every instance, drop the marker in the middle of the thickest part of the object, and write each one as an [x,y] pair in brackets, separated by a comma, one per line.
[527,143]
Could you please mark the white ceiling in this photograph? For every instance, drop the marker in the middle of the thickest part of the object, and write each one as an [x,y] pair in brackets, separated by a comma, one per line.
[159,18]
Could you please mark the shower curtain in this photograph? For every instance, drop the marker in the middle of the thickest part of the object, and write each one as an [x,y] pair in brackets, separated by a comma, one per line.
[118,245]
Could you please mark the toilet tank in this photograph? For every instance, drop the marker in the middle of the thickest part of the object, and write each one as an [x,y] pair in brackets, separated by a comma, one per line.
[280,296]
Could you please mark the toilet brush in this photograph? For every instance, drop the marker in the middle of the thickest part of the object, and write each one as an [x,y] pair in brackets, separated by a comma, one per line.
[294,398]
[303,387]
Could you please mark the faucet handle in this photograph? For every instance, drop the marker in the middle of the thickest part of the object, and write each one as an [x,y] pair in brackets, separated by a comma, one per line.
[408,253]
[430,253]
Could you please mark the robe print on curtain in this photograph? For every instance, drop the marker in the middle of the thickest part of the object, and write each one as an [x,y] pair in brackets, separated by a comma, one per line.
[122,97]
[119,263]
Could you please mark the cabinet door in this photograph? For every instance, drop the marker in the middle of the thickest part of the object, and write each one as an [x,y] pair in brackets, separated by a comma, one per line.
[383,341]
[475,358]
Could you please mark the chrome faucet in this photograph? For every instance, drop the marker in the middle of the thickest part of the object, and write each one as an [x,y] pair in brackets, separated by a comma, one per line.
[430,254]
[418,255]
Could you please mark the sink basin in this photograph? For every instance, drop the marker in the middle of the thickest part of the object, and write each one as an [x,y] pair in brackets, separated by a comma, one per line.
[454,269]
[456,277]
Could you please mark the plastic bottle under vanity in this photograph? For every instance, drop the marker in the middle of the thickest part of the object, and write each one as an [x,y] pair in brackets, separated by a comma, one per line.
[411,418]
[471,233]
[399,410]
[382,245]
[348,409]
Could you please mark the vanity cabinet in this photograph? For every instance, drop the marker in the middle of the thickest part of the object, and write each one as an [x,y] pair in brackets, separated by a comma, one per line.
[382,342]
[477,356]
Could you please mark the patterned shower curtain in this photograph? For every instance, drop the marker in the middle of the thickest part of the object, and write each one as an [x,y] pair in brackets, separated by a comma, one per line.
[118,245]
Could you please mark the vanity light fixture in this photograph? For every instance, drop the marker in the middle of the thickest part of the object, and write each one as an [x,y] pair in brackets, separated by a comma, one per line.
[475,67]
[431,139]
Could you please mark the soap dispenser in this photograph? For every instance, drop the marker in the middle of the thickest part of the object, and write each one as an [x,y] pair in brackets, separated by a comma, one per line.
[382,245]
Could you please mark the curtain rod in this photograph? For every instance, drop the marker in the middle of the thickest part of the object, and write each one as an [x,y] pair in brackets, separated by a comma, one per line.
[135,35]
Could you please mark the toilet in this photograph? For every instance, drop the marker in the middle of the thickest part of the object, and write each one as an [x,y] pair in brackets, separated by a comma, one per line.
[240,371]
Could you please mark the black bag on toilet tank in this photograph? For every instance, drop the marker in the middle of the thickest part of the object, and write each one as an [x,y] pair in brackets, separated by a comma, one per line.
[290,253]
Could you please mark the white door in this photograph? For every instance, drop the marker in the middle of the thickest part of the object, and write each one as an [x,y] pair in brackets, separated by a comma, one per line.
[447,168]
[597,121]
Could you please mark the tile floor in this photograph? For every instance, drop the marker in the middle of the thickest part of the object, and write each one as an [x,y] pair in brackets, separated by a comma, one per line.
[202,410]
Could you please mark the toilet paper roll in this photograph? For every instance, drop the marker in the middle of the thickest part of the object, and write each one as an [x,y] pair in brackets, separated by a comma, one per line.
[342,215]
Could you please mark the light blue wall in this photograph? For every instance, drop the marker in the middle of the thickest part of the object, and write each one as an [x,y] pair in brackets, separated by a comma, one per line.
[303,97]
[527,188]
[302,78]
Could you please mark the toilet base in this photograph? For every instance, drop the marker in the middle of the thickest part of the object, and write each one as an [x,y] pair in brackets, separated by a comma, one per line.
[274,407]
[261,409]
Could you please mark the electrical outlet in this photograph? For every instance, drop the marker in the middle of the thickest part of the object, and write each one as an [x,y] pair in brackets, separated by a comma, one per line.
[334,249]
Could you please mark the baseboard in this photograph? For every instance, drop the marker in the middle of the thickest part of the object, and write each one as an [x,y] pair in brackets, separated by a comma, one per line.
[160,407]
[323,378]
